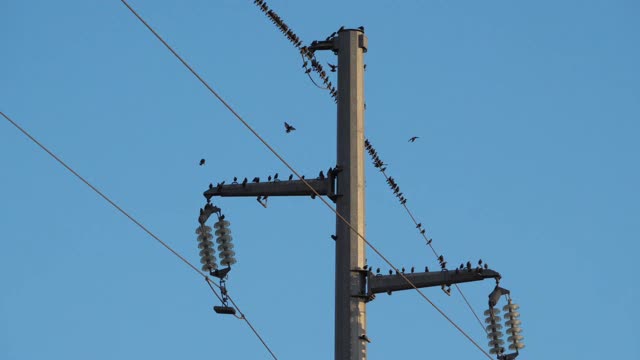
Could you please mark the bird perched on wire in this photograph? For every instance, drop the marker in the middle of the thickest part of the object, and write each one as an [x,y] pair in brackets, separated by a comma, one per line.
[288,128]
[202,161]
[414,138]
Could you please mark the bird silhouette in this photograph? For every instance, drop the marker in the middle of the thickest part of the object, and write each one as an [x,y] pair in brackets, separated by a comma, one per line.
[269,178]
[365,338]
[202,161]
[426,269]
[275,177]
[361,28]
[390,272]
[288,128]
[403,269]
[244,182]
[378,271]
[321,175]
[334,237]
[419,226]
[333,67]
[256,179]
[414,138]
[210,186]
[290,177]
[235,180]
[413,269]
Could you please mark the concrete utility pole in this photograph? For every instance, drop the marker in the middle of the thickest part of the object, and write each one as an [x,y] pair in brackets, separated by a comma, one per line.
[355,286]
[351,309]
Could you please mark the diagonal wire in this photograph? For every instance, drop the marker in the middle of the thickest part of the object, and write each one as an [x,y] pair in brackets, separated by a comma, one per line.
[295,41]
[276,154]
[382,166]
[144,228]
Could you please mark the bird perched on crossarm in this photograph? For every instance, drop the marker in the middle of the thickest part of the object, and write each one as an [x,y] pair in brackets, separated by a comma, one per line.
[288,128]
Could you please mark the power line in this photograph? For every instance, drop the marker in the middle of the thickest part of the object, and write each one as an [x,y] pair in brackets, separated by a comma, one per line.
[295,40]
[275,153]
[286,30]
[144,228]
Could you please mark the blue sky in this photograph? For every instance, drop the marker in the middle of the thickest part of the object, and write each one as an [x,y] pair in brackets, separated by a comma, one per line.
[527,114]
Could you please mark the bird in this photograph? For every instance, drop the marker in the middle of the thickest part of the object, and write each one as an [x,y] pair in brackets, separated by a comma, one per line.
[321,175]
[244,182]
[429,241]
[413,269]
[486,266]
[480,262]
[202,161]
[235,180]
[378,271]
[210,186]
[334,237]
[414,138]
[390,272]
[361,28]
[419,226]
[426,269]
[403,269]
[290,177]
[288,128]
[269,178]
[333,67]
[365,338]
[468,265]
[275,177]
[256,179]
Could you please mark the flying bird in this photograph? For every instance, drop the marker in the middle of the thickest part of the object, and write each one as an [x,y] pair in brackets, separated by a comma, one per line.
[202,161]
[288,128]
[333,67]
[413,139]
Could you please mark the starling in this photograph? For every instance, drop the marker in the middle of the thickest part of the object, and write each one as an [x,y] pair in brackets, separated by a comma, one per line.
[210,186]
[269,178]
[414,138]
[244,182]
[390,272]
[275,177]
[413,269]
[365,338]
[403,269]
[480,262]
[361,28]
[290,177]
[256,179]
[321,175]
[202,161]
[468,265]
[235,180]
[378,271]
[288,128]
[333,67]
[334,237]
[419,226]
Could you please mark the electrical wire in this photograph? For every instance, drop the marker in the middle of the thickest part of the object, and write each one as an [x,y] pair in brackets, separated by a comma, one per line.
[382,166]
[316,66]
[144,228]
[277,155]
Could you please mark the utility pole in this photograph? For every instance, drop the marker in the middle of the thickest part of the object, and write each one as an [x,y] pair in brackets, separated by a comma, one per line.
[355,285]
[351,310]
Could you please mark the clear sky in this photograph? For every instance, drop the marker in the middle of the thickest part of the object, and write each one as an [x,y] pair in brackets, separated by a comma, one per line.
[528,117]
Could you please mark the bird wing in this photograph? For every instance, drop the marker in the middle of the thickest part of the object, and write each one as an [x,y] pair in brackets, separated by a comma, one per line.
[286,125]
